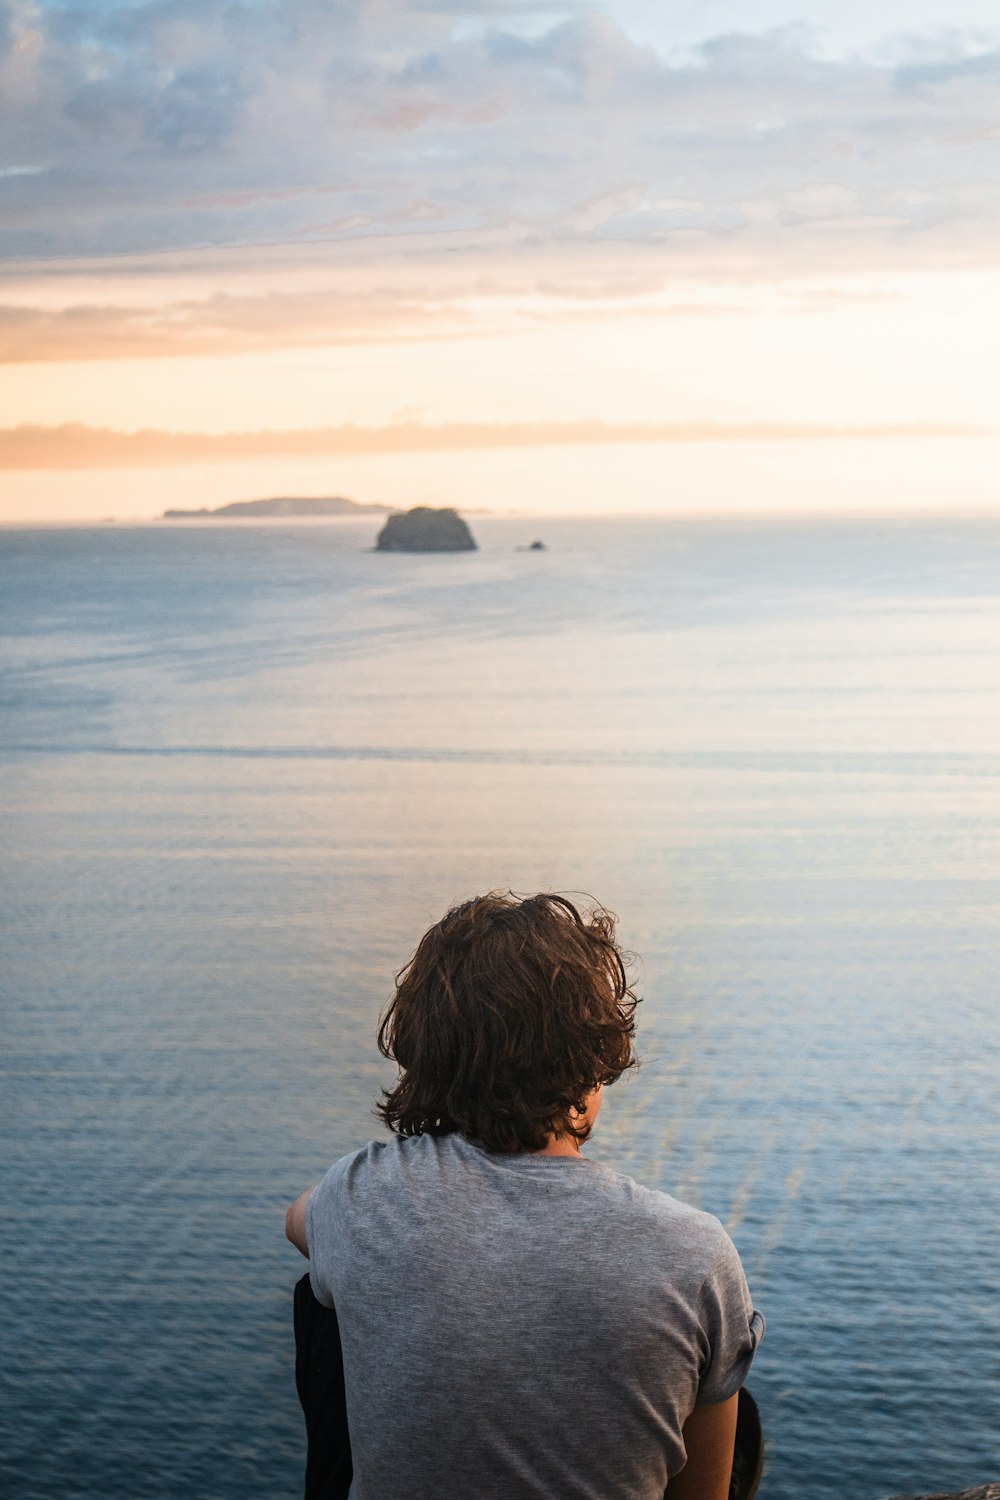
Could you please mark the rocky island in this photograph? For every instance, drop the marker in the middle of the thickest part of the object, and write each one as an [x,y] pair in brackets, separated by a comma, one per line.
[981,1492]
[282,505]
[425,529]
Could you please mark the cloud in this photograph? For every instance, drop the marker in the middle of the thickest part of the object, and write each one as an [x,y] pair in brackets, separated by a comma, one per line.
[221,323]
[180,123]
[324,316]
[74,446]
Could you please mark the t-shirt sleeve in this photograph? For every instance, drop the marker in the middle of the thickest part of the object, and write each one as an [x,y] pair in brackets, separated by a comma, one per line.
[323,1219]
[731,1327]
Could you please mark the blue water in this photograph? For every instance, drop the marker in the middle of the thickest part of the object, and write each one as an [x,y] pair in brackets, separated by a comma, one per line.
[244,766]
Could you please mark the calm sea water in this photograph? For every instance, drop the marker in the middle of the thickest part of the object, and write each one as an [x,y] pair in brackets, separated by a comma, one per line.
[244,767]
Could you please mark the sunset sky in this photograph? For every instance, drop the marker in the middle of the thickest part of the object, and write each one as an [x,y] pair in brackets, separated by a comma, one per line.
[634,256]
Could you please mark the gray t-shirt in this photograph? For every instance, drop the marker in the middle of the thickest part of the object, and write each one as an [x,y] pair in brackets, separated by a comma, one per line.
[521,1326]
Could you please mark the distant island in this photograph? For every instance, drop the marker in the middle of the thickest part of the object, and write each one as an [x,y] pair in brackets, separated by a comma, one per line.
[425,529]
[282,505]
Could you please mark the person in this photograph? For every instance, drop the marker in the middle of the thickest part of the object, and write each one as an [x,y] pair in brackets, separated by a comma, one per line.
[497,1314]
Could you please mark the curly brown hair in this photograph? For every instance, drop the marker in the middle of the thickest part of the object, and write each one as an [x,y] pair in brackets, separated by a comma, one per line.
[510,1012]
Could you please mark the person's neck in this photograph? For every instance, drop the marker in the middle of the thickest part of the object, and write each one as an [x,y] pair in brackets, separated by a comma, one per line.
[560,1145]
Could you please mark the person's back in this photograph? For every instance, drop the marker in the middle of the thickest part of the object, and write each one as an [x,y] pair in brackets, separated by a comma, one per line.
[521,1324]
[517,1321]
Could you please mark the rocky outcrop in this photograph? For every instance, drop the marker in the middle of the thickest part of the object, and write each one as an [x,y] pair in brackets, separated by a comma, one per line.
[425,529]
[981,1492]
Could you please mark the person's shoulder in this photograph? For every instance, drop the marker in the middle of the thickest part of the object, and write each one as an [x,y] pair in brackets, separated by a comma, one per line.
[656,1213]
[372,1157]
[361,1160]
[376,1159]
[351,1179]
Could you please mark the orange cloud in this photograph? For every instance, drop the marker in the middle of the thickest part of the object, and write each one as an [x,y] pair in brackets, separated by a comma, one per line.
[75,446]
[228,322]
[222,323]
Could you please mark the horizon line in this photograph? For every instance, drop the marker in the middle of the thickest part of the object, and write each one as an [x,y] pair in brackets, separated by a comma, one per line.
[708,513]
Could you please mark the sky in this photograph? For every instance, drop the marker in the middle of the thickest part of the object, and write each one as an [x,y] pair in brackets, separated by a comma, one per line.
[632,256]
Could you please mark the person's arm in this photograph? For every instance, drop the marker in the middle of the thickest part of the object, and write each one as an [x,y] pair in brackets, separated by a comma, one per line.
[295,1223]
[709,1437]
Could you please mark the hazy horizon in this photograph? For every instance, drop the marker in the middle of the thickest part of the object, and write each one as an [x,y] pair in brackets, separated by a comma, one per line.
[947,476]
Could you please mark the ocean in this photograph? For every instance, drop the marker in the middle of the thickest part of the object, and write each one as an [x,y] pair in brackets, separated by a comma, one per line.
[245,765]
